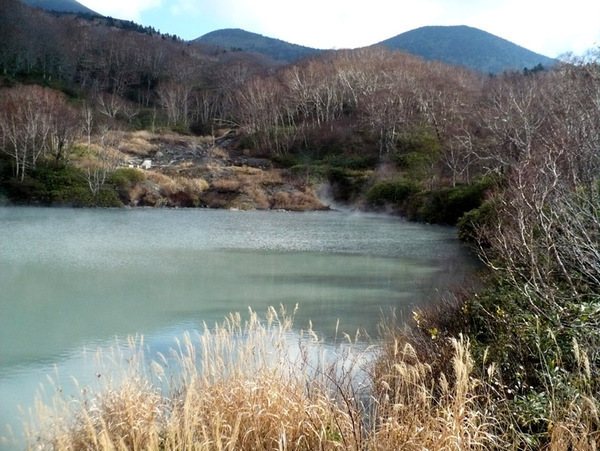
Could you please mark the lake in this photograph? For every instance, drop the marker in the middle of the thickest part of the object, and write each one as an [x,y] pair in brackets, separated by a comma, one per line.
[73,280]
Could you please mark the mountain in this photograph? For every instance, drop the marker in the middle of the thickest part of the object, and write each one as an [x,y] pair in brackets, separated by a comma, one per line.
[466,46]
[237,39]
[61,6]
[458,45]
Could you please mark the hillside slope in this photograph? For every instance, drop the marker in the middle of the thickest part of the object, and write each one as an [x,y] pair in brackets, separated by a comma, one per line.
[237,39]
[458,45]
[466,46]
[62,6]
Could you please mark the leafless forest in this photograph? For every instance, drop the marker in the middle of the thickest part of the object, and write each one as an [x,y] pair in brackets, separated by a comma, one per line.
[514,159]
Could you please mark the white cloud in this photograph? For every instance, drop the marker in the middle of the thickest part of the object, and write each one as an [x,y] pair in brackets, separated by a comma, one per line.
[327,24]
[546,26]
[550,27]
[122,9]
[185,7]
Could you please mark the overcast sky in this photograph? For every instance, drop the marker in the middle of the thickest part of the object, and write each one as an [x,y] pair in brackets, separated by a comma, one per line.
[550,27]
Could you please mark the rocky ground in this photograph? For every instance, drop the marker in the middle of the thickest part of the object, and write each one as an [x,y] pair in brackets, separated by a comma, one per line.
[190,171]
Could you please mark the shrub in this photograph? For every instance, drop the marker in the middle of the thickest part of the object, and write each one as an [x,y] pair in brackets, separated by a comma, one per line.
[287,160]
[397,191]
[124,178]
[447,205]
[346,184]
[51,184]
[474,221]
[126,182]
[351,161]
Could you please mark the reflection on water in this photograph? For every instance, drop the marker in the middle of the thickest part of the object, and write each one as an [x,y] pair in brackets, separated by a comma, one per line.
[77,278]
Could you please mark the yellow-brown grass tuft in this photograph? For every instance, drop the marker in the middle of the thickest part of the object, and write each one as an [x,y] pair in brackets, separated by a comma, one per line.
[236,386]
[245,385]
[138,143]
[417,411]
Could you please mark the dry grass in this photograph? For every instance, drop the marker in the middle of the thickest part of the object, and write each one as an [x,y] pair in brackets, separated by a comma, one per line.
[172,185]
[246,176]
[226,185]
[262,411]
[263,190]
[259,196]
[172,138]
[246,385]
[193,185]
[577,425]
[236,386]
[219,152]
[138,143]
[297,200]
[419,412]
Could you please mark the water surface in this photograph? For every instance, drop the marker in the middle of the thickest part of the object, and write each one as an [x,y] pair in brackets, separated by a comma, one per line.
[76,279]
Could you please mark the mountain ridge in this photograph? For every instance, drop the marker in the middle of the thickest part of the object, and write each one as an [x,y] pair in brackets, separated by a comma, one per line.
[466,46]
[238,39]
[460,45]
[61,6]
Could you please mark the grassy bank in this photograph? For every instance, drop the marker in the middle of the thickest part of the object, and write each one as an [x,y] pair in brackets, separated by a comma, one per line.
[185,171]
[254,385]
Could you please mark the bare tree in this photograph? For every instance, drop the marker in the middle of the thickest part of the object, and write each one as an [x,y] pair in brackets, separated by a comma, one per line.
[103,161]
[261,111]
[108,104]
[548,230]
[175,98]
[87,113]
[65,130]
[35,122]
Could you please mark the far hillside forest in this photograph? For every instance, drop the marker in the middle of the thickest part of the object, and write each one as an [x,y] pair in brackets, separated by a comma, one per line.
[513,159]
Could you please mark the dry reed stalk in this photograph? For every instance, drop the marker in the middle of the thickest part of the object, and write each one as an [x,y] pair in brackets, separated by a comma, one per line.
[577,426]
[417,412]
[241,385]
[235,387]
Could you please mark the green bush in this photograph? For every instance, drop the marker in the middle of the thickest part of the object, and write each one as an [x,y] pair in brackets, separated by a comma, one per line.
[289,160]
[106,198]
[51,184]
[351,161]
[473,222]
[28,191]
[79,196]
[417,154]
[442,206]
[124,178]
[346,184]
[48,185]
[447,205]
[396,191]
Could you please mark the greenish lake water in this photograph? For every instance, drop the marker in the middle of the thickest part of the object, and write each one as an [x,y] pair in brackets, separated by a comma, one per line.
[75,279]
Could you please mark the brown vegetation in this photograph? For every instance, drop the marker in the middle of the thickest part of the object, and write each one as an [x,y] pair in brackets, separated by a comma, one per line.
[239,386]
[515,159]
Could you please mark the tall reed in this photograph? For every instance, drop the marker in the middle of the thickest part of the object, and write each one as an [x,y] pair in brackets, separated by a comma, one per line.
[239,385]
[254,385]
